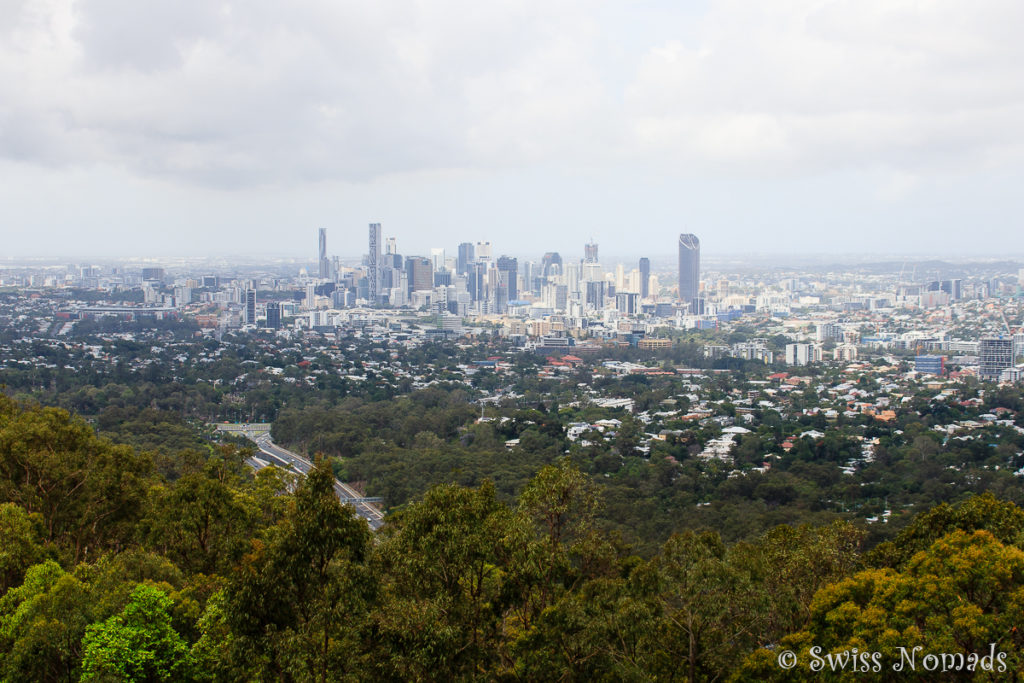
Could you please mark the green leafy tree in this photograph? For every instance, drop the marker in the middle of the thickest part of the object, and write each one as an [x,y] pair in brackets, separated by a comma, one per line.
[87,490]
[789,565]
[552,549]
[710,611]
[20,545]
[1001,518]
[139,644]
[964,594]
[297,600]
[202,521]
[42,622]
[439,615]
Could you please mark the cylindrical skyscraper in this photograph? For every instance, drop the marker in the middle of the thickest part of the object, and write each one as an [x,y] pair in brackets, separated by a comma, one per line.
[689,270]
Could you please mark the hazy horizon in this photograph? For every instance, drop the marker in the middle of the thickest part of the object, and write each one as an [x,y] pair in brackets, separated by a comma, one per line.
[712,261]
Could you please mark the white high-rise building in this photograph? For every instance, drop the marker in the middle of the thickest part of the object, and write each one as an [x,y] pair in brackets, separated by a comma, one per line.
[802,354]
[182,296]
[845,352]
[592,272]
[373,265]
[572,277]
[437,259]
[324,263]
[483,251]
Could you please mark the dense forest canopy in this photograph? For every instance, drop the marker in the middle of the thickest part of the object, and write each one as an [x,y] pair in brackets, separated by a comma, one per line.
[112,568]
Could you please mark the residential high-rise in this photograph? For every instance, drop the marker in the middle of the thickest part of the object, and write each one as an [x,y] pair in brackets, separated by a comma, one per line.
[689,269]
[995,354]
[590,252]
[645,277]
[325,264]
[802,354]
[466,256]
[373,265]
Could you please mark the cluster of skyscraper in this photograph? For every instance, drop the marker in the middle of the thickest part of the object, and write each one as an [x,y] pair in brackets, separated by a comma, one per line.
[475,282]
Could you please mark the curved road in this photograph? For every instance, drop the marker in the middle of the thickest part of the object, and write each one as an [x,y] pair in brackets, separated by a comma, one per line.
[272,454]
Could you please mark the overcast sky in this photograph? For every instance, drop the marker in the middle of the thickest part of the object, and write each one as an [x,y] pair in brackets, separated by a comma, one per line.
[193,127]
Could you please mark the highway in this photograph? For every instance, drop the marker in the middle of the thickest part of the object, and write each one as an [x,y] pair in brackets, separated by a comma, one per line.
[272,454]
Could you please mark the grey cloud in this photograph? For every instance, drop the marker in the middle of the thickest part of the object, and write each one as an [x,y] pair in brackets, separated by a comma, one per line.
[260,94]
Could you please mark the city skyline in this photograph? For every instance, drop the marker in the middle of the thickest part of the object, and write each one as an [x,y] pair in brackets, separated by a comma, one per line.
[804,128]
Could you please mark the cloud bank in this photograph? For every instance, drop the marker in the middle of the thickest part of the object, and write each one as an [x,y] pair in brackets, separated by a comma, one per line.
[254,94]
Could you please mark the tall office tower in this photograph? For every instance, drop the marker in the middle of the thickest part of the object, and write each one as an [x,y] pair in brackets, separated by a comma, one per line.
[590,252]
[561,297]
[510,266]
[466,256]
[689,270]
[620,278]
[420,271]
[250,307]
[325,265]
[476,280]
[626,303]
[437,258]
[442,278]
[390,246]
[530,277]
[551,264]
[645,277]
[373,263]
[483,251]
[592,272]
[995,354]
[954,288]
[595,294]
[274,315]
[572,277]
